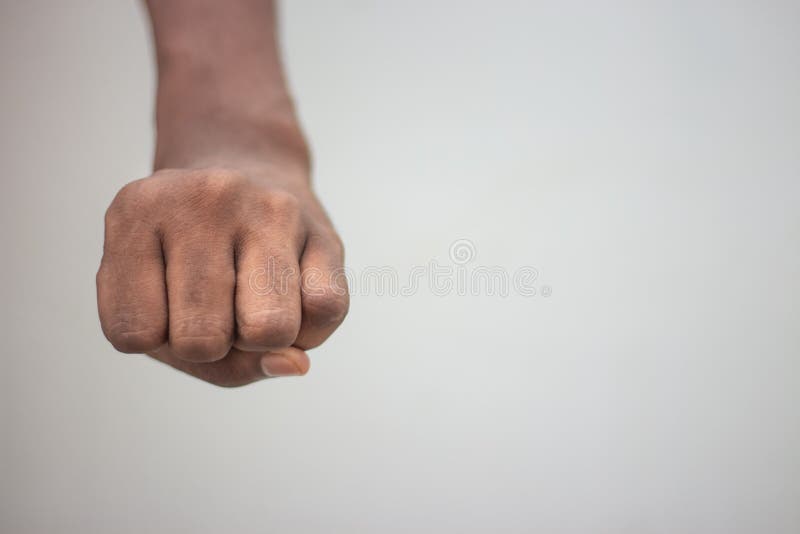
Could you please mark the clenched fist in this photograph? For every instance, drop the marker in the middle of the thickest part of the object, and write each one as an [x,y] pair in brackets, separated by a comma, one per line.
[227,275]
[222,263]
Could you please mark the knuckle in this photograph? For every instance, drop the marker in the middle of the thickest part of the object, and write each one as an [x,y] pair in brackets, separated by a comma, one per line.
[128,192]
[218,182]
[199,348]
[128,203]
[331,241]
[212,189]
[129,195]
[270,328]
[127,338]
[338,245]
[131,325]
[281,204]
[200,339]
[326,307]
[112,215]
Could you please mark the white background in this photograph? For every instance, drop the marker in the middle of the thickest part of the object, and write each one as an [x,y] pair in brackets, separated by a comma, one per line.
[643,156]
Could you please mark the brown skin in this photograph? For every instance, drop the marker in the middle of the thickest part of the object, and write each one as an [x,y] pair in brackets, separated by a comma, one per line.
[229,200]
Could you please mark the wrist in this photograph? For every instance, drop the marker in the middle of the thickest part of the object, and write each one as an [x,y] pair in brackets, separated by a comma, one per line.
[226,140]
[203,123]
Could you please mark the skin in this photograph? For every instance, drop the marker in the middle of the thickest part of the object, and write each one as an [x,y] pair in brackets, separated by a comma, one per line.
[222,263]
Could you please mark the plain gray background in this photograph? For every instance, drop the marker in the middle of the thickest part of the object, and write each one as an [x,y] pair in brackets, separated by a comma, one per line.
[643,156]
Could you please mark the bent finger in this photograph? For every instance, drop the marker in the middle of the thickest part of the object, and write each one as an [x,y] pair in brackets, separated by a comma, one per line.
[239,368]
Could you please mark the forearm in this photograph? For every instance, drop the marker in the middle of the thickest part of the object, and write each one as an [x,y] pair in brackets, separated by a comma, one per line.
[221,90]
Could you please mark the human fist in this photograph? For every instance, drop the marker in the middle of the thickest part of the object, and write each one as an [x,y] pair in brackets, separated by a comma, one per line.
[229,276]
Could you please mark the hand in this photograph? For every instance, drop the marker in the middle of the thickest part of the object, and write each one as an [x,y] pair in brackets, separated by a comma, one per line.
[228,275]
